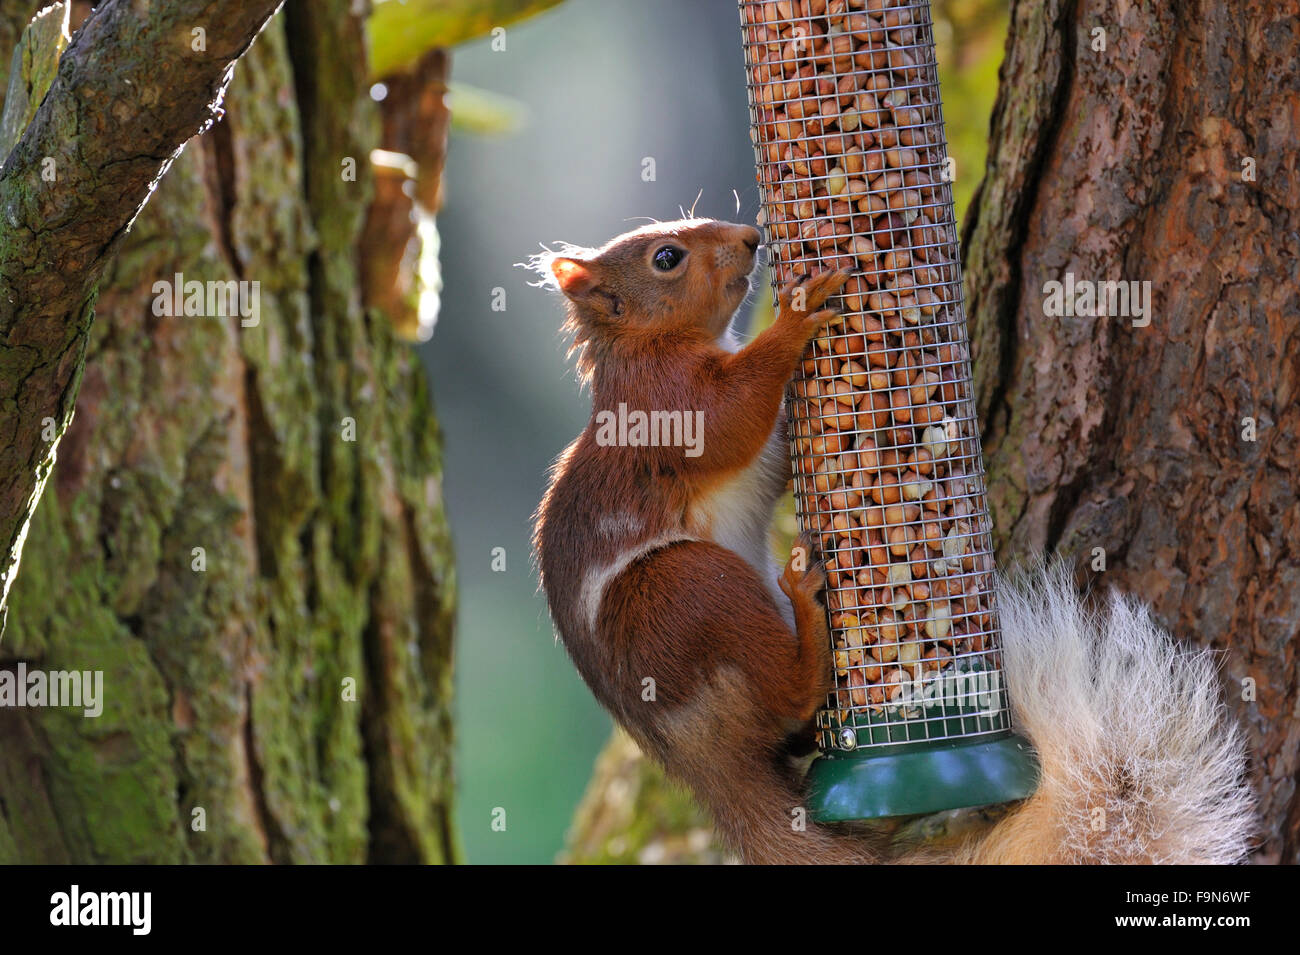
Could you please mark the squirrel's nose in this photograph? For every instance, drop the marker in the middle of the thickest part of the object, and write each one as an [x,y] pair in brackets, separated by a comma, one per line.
[752,238]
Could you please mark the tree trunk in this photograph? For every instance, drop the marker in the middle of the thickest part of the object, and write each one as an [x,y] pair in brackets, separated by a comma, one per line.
[1167,450]
[244,522]
[89,135]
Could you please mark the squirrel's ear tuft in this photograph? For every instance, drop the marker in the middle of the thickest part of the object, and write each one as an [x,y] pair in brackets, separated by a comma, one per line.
[575,277]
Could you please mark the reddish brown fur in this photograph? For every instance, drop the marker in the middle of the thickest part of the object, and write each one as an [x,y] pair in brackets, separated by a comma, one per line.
[734,688]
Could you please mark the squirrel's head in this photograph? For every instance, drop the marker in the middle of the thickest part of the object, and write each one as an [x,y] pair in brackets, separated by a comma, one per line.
[689,275]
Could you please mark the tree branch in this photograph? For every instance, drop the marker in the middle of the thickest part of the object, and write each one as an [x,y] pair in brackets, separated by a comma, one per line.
[136,82]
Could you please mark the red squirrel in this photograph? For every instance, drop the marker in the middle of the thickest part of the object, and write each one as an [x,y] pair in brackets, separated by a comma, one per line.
[655,560]
[652,545]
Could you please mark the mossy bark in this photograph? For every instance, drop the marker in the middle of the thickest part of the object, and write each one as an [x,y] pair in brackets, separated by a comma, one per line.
[294,693]
[135,83]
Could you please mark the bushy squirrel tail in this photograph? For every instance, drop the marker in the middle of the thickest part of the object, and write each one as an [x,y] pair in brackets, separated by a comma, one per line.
[1141,762]
[1140,759]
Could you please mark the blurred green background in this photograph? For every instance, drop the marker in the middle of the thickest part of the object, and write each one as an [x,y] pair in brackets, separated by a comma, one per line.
[600,86]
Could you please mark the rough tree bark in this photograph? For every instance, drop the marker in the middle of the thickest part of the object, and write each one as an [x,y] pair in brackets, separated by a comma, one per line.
[71,187]
[1168,157]
[324,559]
[1127,164]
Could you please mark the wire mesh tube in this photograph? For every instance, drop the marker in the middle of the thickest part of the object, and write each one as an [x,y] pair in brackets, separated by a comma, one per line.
[853,172]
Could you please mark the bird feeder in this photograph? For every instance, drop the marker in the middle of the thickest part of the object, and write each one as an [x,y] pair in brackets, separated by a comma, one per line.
[854,173]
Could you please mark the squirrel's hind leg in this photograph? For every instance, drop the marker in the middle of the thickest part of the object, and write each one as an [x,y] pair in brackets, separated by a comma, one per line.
[734,686]
[802,580]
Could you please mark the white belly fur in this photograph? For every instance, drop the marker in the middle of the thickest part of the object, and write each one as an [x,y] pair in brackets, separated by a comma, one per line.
[738,514]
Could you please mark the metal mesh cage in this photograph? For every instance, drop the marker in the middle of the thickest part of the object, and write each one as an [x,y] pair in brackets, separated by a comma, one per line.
[853,172]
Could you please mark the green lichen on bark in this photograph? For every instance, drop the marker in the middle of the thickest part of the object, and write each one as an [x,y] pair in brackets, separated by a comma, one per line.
[130,89]
[326,559]
[35,60]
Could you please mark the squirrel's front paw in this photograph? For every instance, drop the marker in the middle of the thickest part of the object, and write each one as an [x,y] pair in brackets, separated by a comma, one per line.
[801,300]
[804,576]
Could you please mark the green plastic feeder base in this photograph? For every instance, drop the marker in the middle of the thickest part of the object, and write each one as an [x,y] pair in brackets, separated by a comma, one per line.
[918,778]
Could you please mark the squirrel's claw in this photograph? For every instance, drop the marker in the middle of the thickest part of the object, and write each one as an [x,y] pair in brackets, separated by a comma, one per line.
[807,295]
[804,574]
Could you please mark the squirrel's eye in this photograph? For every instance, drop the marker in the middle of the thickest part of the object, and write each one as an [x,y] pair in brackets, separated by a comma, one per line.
[666,258]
